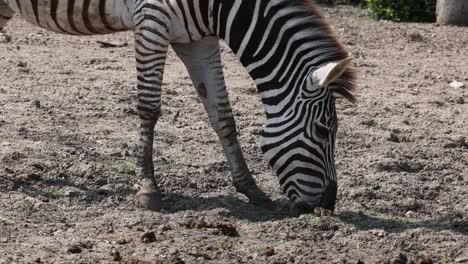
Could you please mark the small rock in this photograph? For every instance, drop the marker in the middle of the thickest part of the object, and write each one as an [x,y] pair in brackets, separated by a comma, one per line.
[369,122]
[116,154]
[416,37]
[227,229]
[4,38]
[378,232]
[393,137]
[172,251]
[75,249]
[122,241]
[460,100]
[319,212]
[457,142]
[86,244]
[175,260]
[410,214]
[69,193]
[269,251]
[421,259]
[398,258]
[162,228]
[37,103]
[33,176]
[201,223]
[457,84]
[148,237]
[116,255]
[22,64]
[461,260]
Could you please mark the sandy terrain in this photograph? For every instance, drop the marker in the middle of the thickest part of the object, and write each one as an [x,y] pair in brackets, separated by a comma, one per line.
[68,131]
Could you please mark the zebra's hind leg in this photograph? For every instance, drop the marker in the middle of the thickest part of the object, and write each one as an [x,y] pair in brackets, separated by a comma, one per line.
[150,52]
[203,61]
[6,13]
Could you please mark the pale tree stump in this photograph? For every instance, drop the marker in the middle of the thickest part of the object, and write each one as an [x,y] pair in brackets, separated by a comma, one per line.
[452,12]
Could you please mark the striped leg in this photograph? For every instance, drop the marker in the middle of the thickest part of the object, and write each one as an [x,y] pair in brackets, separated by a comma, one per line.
[5,14]
[151,44]
[203,61]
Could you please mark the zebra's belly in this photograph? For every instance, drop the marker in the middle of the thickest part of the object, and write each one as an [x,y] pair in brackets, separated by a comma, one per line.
[72,17]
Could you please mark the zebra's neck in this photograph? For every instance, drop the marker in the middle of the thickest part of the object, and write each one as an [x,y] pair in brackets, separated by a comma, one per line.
[77,17]
[279,42]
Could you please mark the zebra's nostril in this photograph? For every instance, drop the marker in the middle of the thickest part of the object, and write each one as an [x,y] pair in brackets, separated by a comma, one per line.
[300,207]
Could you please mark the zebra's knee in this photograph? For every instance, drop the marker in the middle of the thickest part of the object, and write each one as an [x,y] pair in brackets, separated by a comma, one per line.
[225,128]
[149,117]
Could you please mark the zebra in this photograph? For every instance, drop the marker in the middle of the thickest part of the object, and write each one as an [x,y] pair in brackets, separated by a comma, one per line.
[288,48]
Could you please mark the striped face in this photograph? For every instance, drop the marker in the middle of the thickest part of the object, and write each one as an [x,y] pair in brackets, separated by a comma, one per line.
[300,145]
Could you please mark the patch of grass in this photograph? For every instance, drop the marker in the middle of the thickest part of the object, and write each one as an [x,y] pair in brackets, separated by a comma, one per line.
[56,191]
[45,216]
[137,216]
[126,168]
[165,165]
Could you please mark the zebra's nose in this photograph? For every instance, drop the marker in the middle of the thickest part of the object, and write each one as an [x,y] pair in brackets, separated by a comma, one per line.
[299,207]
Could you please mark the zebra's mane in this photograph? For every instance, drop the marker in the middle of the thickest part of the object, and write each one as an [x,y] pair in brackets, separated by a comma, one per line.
[345,85]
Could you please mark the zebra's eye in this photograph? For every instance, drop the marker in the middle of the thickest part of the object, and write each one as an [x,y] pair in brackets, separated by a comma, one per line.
[321,130]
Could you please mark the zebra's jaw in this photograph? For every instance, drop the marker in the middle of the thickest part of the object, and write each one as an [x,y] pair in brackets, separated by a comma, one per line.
[326,74]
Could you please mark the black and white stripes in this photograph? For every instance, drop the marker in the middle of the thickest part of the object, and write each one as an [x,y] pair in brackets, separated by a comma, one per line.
[77,17]
[285,45]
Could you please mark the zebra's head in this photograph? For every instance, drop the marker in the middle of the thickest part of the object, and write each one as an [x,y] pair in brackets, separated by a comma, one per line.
[300,144]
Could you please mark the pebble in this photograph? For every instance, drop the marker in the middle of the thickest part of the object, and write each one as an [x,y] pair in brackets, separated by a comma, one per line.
[416,37]
[461,260]
[319,212]
[421,259]
[22,64]
[378,232]
[4,38]
[116,255]
[410,214]
[37,103]
[393,138]
[460,100]
[74,249]
[269,251]
[148,237]
[175,260]
[397,258]
[172,251]
[457,84]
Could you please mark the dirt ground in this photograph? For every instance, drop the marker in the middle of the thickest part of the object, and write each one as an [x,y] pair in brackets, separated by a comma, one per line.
[68,130]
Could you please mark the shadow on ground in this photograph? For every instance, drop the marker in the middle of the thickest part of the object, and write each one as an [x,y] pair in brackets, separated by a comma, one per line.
[240,209]
[235,207]
[363,221]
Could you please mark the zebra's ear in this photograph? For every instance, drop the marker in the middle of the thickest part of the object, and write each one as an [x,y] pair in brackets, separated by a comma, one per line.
[329,72]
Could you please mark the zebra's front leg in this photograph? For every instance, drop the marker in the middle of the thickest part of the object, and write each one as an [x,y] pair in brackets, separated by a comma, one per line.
[151,52]
[203,61]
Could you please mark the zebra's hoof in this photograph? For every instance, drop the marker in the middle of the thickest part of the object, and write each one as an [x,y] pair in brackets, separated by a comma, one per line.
[259,198]
[150,200]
